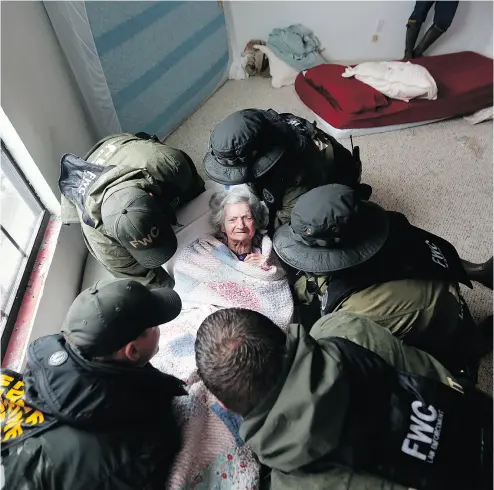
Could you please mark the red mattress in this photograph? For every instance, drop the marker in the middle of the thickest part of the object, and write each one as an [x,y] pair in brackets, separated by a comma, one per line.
[464,81]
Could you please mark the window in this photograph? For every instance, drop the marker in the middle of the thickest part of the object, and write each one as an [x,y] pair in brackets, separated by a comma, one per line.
[23,220]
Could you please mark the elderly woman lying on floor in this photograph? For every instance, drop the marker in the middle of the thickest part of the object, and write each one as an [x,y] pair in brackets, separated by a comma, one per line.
[234,266]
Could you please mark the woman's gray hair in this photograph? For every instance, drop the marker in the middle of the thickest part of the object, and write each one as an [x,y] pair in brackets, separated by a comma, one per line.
[235,195]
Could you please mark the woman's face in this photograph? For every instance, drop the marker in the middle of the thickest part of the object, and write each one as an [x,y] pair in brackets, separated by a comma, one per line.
[239,224]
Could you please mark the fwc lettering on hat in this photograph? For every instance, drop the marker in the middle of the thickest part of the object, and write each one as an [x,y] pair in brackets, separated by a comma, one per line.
[138,221]
[146,241]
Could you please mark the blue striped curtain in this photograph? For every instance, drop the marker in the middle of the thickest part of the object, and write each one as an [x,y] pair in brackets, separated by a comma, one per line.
[161,60]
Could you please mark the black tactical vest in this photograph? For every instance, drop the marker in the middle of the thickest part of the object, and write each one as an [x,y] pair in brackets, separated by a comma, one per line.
[303,163]
[411,429]
[409,253]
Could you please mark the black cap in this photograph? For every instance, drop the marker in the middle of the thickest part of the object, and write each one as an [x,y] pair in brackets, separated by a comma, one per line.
[242,148]
[112,313]
[139,222]
[331,229]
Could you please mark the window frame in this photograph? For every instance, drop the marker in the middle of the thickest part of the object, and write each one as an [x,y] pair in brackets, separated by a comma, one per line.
[30,259]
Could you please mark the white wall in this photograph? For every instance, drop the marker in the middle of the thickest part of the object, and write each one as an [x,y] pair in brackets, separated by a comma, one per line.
[38,92]
[345,28]
[39,96]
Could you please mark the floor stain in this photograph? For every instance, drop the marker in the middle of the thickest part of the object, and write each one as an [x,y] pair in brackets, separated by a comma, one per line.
[473,144]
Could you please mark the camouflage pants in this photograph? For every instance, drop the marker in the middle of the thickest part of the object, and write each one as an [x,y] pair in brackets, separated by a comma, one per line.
[430,315]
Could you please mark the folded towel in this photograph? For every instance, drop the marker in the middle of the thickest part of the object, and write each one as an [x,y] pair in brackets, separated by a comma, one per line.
[297,46]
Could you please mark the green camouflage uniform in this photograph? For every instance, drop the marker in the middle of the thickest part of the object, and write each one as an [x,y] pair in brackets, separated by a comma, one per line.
[145,164]
[405,307]
[306,420]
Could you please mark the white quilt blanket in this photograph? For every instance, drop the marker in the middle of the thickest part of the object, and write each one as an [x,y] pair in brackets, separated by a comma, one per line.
[395,79]
[208,277]
[207,272]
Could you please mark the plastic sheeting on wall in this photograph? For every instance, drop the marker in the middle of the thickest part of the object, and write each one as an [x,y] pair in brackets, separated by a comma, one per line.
[142,66]
[71,25]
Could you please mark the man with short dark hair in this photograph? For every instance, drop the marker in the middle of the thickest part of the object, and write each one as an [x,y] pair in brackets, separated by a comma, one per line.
[245,332]
[347,407]
[90,412]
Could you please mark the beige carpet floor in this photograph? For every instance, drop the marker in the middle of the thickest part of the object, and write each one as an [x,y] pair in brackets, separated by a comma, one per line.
[438,175]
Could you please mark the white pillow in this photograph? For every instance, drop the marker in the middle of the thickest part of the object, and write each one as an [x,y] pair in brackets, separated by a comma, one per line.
[281,73]
[395,79]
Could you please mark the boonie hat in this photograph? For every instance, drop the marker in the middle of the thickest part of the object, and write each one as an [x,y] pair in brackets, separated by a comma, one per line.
[331,229]
[139,223]
[112,313]
[242,148]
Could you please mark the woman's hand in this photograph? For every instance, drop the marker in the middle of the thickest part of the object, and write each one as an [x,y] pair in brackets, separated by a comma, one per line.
[255,259]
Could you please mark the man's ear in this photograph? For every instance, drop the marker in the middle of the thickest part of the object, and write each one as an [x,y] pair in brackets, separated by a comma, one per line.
[131,352]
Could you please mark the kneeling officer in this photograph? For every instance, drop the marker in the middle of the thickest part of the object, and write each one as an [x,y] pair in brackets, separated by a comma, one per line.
[124,193]
[280,157]
[355,256]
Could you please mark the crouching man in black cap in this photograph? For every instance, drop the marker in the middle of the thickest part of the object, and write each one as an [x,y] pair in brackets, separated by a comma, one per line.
[347,406]
[280,156]
[90,412]
[355,256]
